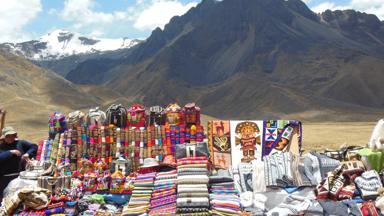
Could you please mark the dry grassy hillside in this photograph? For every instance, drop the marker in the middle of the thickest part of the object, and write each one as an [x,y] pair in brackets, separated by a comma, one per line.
[318,136]
[30,94]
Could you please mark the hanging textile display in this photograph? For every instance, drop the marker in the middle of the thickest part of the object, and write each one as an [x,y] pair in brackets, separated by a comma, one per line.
[219,140]
[246,139]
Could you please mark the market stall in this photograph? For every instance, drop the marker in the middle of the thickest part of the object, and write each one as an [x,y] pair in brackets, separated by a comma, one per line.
[163,161]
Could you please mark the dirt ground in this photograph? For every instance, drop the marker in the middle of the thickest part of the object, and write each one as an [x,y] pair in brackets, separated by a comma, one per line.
[333,135]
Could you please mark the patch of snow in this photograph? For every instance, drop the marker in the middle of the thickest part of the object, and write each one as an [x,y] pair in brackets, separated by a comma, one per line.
[61,43]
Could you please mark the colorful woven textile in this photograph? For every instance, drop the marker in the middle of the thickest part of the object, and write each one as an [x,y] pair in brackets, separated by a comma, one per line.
[224,198]
[141,195]
[192,190]
[163,200]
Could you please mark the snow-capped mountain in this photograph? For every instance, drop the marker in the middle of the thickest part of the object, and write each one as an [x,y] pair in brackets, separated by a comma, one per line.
[60,43]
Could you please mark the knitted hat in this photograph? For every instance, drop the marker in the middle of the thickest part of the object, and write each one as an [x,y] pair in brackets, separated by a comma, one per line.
[368,183]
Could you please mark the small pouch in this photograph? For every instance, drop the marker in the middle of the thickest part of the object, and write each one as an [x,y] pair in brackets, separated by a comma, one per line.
[55,205]
[353,168]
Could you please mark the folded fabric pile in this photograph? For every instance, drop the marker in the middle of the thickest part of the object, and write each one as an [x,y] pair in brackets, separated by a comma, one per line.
[340,184]
[336,186]
[296,205]
[141,195]
[350,208]
[317,166]
[285,170]
[163,201]
[192,186]
[224,198]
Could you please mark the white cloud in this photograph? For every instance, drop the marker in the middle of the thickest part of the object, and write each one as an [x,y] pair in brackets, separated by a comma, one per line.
[138,2]
[160,12]
[306,1]
[87,17]
[96,33]
[323,7]
[52,11]
[82,14]
[84,17]
[368,6]
[14,15]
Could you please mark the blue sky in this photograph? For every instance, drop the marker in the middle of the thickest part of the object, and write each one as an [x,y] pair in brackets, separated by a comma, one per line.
[22,20]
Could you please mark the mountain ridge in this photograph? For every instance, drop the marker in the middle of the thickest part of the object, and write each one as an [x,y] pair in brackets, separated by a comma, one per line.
[245,58]
[275,42]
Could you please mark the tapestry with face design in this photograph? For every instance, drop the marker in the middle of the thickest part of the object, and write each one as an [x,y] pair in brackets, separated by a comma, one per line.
[246,139]
[220,143]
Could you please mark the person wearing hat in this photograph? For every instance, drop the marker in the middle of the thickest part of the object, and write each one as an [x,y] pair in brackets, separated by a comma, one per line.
[14,154]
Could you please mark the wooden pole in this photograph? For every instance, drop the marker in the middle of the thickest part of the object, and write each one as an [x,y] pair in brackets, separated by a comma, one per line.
[2,116]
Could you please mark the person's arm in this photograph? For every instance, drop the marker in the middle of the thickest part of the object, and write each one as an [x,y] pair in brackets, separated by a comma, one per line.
[30,148]
[5,156]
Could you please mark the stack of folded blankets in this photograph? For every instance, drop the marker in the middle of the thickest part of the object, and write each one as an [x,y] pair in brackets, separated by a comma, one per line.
[284,169]
[141,195]
[192,186]
[163,200]
[224,198]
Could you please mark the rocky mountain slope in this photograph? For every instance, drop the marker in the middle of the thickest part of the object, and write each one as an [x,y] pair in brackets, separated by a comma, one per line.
[254,59]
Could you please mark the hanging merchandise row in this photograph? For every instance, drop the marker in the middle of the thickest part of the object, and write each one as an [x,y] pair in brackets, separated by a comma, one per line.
[135,116]
[108,143]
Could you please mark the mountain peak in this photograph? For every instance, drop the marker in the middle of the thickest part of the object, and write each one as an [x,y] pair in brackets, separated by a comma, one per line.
[361,26]
[208,2]
[350,16]
[301,8]
[62,43]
